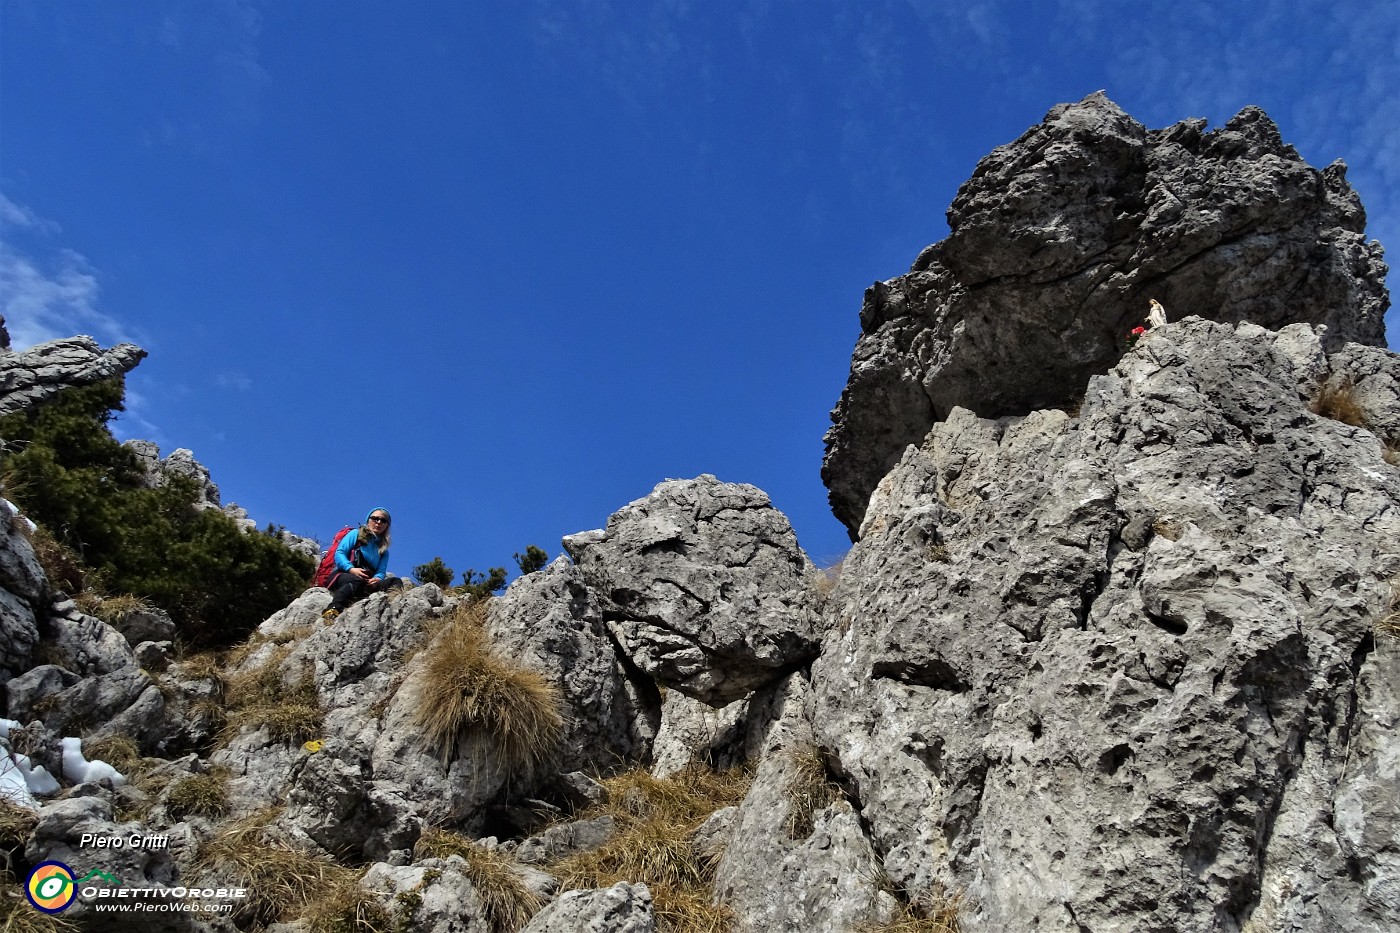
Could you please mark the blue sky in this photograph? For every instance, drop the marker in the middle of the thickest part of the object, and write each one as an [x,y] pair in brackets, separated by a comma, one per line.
[501,267]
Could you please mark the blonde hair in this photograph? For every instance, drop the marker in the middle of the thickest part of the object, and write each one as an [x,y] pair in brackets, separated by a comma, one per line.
[365,535]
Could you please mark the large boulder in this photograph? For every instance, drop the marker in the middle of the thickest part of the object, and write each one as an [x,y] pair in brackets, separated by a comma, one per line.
[1118,671]
[704,588]
[550,622]
[1057,243]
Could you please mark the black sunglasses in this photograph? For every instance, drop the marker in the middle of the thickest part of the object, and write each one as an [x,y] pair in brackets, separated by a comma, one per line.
[378,518]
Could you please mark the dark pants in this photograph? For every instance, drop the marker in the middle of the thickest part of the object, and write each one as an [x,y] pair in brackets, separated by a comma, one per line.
[347,588]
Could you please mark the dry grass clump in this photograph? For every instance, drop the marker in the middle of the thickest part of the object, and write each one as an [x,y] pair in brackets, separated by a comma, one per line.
[508,902]
[826,578]
[1389,624]
[346,907]
[17,915]
[809,790]
[16,825]
[1169,527]
[933,911]
[937,552]
[657,820]
[199,795]
[119,751]
[1390,451]
[281,879]
[1337,400]
[262,697]
[111,609]
[60,563]
[205,666]
[467,687]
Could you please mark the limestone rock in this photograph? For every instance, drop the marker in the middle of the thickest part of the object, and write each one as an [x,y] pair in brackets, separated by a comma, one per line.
[550,622]
[22,591]
[182,463]
[1105,671]
[1057,243]
[792,863]
[622,908]
[431,896]
[59,837]
[30,377]
[703,586]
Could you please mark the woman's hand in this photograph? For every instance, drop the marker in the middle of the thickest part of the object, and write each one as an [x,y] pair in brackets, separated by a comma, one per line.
[359,573]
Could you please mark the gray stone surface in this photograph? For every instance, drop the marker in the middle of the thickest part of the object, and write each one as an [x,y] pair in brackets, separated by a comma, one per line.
[775,874]
[431,896]
[704,588]
[1056,244]
[1107,672]
[30,377]
[622,908]
[550,622]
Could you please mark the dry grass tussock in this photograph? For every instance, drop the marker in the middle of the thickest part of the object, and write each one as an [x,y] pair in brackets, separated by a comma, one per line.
[509,903]
[111,609]
[934,911]
[281,879]
[809,790]
[1337,400]
[119,751]
[1389,623]
[657,820]
[290,709]
[345,907]
[824,579]
[239,654]
[199,795]
[466,687]
[16,824]
[1390,451]
[18,916]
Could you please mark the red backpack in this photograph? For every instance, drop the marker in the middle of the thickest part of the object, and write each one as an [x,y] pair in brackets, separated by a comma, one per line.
[326,569]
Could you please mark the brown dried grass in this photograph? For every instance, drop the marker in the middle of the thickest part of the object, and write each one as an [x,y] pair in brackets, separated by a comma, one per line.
[509,903]
[467,687]
[657,820]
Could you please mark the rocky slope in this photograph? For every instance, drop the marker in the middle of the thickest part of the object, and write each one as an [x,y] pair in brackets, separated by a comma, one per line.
[1124,664]
[1057,242]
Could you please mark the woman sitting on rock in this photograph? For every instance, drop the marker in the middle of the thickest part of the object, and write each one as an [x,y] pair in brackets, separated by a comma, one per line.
[361,564]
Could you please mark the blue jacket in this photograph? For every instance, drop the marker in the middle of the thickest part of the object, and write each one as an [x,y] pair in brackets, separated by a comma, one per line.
[370,558]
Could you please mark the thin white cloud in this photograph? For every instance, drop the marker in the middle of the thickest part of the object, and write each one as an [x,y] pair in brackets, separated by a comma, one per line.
[49,297]
[236,381]
[18,216]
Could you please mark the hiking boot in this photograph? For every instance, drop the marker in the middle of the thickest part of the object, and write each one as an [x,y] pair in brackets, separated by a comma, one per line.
[329,615]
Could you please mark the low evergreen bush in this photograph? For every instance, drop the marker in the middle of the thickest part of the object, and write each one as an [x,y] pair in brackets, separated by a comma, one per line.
[87,491]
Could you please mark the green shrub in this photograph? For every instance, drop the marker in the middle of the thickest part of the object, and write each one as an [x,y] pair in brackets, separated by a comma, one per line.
[75,480]
[533,559]
[434,571]
[483,585]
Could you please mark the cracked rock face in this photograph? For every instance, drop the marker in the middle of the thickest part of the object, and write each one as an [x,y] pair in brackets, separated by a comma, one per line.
[1118,671]
[703,587]
[32,376]
[1057,243]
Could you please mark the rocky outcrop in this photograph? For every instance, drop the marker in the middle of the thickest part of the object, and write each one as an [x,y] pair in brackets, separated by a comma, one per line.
[158,471]
[23,594]
[1121,664]
[30,377]
[622,908]
[1145,631]
[551,622]
[1057,243]
[704,588]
